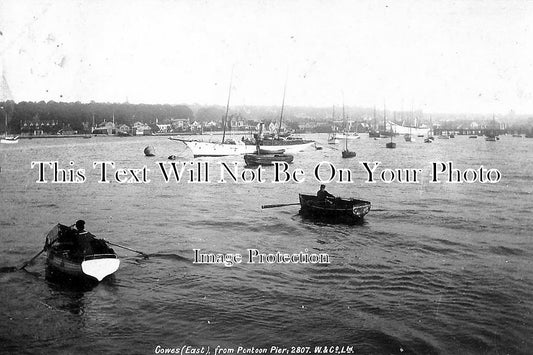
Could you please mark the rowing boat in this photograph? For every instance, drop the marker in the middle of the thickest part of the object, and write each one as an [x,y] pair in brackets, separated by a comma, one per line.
[267,159]
[100,260]
[340,210]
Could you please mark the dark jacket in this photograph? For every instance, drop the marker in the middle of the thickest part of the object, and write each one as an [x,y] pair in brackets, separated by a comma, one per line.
[323,194]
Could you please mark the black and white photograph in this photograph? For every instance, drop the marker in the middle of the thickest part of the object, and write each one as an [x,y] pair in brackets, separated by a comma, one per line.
[227,177]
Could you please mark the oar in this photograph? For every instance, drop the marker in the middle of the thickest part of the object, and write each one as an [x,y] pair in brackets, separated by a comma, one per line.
[31,260]
[280,205]
[123,247]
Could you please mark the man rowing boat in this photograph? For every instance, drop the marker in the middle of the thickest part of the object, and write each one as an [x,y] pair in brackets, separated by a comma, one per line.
[83,240]
[324,196]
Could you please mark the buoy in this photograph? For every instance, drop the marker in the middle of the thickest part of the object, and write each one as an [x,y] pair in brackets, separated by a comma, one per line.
[149,151]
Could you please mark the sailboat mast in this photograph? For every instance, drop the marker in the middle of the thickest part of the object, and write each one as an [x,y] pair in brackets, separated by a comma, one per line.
[282,106]
[343,116]
[384,118]
[375,123]
[344,123]
[227,108]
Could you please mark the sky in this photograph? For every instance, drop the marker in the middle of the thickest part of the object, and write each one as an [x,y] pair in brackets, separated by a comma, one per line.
[435,56]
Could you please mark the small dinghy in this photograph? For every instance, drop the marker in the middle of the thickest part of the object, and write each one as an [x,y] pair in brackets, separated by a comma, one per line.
[267,159]
[266,156]
[62,255]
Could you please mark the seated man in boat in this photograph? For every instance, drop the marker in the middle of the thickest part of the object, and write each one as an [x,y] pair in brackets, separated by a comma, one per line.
[83,240]
[324,196]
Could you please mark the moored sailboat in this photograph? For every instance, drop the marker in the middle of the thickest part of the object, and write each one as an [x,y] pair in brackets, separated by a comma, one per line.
[210,149]
[391,144]
[332,138]
[374,133]
[492,137]
[346,153]
[266,157]
[7,139]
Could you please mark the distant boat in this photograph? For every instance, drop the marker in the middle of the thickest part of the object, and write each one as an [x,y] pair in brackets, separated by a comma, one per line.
[267,159]
[473,136]
[332,139]
[408,138]
[391,144]
[265,156]
[347,135]
[399,129]
[346,153]
[271,151]
[374,133]
[8,139]
[442,136]
[492,137]
[290,144]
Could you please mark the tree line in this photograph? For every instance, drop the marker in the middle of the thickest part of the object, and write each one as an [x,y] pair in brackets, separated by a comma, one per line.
[78,115]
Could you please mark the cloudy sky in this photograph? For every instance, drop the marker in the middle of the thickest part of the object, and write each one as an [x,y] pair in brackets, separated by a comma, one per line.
[437,56]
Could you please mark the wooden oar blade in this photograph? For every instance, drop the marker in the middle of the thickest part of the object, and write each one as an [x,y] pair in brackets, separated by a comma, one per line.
[123,247]
[279,205]
[7,269]
[32,259]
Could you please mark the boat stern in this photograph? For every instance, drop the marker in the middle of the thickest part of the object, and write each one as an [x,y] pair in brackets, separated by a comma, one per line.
[361,211]
[100,268]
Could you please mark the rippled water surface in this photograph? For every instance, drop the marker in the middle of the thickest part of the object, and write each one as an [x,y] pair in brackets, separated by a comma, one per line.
[435,268]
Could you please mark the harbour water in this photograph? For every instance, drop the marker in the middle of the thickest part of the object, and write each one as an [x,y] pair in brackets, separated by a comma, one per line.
[437,268]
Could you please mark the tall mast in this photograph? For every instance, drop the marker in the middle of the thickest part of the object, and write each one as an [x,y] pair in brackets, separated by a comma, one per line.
[227,107]
[384,118]
[344,123]
[5,114]
[375,123]
[282,105]
[343,117]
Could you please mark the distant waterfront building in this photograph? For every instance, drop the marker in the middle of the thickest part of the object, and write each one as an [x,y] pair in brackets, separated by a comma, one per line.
[66,131]
[141,129]
[105,128]
[124,129]
[178,124]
